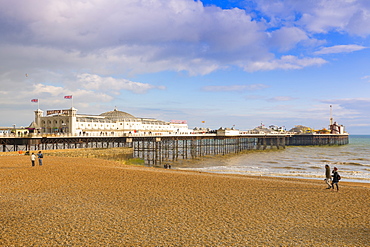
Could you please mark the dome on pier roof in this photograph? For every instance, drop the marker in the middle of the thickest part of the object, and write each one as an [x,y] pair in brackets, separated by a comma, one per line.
[117,115]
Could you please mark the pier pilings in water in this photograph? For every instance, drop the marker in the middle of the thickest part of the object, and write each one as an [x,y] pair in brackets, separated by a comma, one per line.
[159,150]
[317,140]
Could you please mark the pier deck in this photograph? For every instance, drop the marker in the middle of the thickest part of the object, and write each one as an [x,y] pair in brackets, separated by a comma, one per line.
[156,150]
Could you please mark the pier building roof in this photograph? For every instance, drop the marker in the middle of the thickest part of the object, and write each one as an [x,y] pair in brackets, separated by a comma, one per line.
[117,115]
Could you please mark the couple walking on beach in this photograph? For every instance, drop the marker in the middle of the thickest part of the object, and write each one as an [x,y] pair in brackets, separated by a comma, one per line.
[332,180]
[40,156]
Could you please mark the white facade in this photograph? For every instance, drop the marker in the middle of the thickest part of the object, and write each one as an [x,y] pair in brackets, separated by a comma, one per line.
[227,132]
[113,123]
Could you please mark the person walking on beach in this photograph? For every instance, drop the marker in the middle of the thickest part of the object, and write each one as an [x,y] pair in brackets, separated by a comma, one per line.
[40,156]
[33,159]
[328,176]
[336,178]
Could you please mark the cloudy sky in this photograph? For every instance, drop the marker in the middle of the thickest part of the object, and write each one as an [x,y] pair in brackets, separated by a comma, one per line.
[227,62]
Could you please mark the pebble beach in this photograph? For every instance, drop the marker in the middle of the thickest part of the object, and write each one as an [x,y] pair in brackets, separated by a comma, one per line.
[73,201]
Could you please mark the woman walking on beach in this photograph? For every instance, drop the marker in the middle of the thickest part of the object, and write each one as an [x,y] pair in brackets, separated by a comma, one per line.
[328,176]
[336,178]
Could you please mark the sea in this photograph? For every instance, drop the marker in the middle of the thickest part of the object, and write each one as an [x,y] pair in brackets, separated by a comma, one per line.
[307,162]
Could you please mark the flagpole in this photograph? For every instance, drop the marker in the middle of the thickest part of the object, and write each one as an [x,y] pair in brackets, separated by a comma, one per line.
[36,101]
[69,97]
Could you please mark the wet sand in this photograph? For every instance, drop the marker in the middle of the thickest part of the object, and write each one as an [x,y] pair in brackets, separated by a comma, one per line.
[94,202]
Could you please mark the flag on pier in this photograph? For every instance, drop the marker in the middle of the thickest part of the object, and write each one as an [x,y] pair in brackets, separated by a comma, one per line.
[69,97]
[36,101]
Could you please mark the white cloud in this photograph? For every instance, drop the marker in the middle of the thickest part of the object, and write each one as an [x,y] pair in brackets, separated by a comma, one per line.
[179,35]
[39,89]
[367,78]
[56,94]
[287,38]
[281,98]
[285,62]
[359,23]
[97,24]
[238,88]
[340,49]
[139,36]
[355,103]
[354,110]
[49,96]
[320,16]
[110,84]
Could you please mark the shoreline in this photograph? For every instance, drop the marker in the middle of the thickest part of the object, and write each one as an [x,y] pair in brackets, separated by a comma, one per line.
[263,163]
[353,183]
[347,183]
[106,153]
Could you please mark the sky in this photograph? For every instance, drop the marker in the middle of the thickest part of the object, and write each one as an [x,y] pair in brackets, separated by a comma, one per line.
[229,63]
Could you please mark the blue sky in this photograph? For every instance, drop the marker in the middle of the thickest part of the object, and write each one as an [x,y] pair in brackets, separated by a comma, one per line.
[228,63]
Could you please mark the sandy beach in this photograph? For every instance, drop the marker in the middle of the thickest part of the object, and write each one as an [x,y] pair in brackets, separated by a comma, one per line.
[95,202]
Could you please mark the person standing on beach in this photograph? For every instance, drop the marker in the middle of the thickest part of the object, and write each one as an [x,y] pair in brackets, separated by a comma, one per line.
[40,156]
[328,176]
[33,159]
[336,178]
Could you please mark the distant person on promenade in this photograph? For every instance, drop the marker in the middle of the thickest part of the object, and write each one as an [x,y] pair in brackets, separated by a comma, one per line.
[328,176]
[40,156]
[33,159]
[336,178]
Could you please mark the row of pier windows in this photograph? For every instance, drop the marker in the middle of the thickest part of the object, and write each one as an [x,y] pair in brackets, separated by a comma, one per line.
[127,125]
[55,122]
[96,125]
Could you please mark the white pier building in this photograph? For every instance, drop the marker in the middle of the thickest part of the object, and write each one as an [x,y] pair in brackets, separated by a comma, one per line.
[112,123]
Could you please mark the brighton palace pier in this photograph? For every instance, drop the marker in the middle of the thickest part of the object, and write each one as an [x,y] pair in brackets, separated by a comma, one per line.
[152,140]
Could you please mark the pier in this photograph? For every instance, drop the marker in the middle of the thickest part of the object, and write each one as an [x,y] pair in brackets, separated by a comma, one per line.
[156,150]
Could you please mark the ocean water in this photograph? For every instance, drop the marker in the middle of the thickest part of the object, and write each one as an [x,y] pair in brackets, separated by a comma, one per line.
[352,161]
